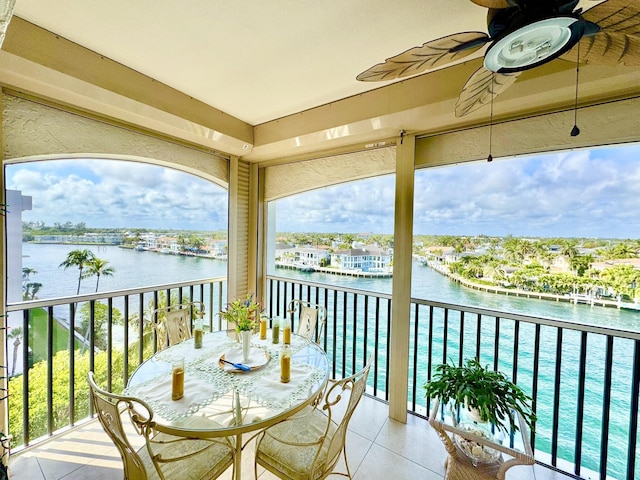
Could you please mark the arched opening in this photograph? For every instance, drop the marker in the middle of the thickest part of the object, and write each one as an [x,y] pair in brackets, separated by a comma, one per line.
[152,236]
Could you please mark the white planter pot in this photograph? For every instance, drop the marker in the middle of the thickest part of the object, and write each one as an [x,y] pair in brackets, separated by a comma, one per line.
[245,339]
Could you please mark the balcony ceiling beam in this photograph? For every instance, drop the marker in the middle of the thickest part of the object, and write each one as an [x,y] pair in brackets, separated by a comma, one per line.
[38,62]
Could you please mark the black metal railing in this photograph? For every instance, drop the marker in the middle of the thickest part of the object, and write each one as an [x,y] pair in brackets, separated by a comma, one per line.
[49,391]
[584,380]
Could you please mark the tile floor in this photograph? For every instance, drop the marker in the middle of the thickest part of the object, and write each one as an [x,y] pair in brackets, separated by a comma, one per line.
[378,449]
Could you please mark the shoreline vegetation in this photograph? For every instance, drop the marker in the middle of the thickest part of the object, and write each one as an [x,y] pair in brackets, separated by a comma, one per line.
[571,298]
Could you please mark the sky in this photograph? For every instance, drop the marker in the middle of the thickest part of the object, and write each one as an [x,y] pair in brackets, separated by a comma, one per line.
[581,193]
[110,193]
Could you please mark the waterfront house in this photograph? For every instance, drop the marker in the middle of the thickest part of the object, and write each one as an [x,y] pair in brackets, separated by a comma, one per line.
[263,101]
[149,241]
[218,249]
[601,265]
[315,257]
[367,259]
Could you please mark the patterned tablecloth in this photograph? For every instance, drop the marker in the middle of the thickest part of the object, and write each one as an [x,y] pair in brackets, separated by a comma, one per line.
[219,392]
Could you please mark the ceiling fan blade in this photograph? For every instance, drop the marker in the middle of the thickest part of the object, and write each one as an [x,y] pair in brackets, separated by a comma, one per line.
[616,16]
[605,48]
[432,54]
[492,3]
[477,91]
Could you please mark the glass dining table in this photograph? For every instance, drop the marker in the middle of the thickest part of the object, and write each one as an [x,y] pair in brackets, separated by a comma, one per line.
[218,396]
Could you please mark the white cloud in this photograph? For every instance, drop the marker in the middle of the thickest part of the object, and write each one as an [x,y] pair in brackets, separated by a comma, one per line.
[577,193]
[107,193]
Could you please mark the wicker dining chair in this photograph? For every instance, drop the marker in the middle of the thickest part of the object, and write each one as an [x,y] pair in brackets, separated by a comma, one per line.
[311,317]
[168,452]
[308,445]
[172,324]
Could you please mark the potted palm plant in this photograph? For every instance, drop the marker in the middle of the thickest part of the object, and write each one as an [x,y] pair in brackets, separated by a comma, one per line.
[487,392]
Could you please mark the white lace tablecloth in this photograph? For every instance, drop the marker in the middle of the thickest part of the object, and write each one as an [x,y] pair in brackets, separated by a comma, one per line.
[208,382]
[199,391]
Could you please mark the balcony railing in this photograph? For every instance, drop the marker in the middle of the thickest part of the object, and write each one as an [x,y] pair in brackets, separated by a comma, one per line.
[584,380]
[49,391]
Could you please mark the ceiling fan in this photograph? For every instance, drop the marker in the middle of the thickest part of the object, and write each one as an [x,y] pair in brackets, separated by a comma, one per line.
[525,34]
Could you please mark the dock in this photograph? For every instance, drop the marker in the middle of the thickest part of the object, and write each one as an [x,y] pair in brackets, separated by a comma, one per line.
[333,271]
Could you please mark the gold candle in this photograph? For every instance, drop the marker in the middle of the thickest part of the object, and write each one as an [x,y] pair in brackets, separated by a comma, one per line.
[197,334]
[197,338]
[275,331]
[177,383]
[286,334]
[263,329]
[285,365]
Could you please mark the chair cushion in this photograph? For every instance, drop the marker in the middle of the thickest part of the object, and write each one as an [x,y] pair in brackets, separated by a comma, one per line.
[296,461]
[208,464]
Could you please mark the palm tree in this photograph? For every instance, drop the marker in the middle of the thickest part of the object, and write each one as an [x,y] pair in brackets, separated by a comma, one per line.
[492,269]
[569,249]
[16,334]
[30,289]
[624,250]
[511,248]
[97,266]
[77,258]
[26,271]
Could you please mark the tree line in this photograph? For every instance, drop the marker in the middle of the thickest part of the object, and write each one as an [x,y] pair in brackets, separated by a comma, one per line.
[525,264]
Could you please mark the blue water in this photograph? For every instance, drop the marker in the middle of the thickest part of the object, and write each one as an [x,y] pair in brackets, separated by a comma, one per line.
[132,269]
[140,269]
[430,285]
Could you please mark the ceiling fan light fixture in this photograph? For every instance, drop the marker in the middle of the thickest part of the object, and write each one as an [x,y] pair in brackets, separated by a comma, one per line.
[533,44]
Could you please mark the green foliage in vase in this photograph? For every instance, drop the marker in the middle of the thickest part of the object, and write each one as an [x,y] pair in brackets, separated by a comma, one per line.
[476,387]
[243,313]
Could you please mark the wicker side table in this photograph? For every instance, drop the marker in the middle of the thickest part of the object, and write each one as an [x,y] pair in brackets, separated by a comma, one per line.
[459,466]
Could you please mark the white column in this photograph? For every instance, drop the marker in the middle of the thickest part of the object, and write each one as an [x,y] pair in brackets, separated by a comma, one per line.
[401,308]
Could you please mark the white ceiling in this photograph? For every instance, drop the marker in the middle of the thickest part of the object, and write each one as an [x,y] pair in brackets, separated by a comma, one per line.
[257,60]
[279,76]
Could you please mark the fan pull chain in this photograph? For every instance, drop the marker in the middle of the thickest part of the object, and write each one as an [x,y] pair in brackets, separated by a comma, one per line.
[575,131]
[490,157]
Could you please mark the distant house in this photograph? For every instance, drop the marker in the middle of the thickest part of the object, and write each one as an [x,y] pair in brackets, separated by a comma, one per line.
[560,264]
[315,257]
[603,265]
[149,241]
[167,244]
[367,259]
[453,256]
[218,248]
[95,238]
[437,253]
[311,256]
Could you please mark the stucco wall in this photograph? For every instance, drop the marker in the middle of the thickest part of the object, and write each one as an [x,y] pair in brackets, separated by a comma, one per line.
[33,130]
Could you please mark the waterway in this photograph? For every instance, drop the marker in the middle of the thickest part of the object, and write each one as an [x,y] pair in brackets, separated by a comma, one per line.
[139,269]
[134,269]
[427,284]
